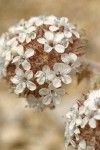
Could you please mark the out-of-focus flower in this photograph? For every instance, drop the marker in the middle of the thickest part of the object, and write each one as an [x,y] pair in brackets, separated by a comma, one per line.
[82,119]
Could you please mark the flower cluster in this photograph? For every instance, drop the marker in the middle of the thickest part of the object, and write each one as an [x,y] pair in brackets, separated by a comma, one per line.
[38,56]
[83,123]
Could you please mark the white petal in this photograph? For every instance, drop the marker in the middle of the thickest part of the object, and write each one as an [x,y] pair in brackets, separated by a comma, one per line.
[44,91]
[26,65]
[20,50]
[57,82]
[82,145]
[79,121]
[16,59]
[58,37]
[38,22]
[47,100]
[60,91]
[47,48]
[53,28]
[65,58]
[8,56]
[31,86]
[73,56]
[50,75]
[41,80]
[29,52]
[31,29]
[84,122]
[66,79]
[41,40]
[59,48]
[76,34]
[21,37]
[28,39]
[20,88]
[15,79]
[57,99]
[29,74]
[72,125]
[92,123]
[82,110]
[68,34]
[19,72]
[97,117]
[49,35]
[39,74]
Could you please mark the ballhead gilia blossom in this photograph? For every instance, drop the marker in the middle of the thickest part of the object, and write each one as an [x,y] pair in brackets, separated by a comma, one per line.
[38,53]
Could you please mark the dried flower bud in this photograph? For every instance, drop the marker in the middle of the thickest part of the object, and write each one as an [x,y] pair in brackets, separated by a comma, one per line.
[83,123]
[38,56]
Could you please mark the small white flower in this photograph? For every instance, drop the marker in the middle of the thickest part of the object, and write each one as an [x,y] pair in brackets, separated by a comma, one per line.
[52,41]
[2,69]
[50,20]
[22,81]
[35,102]
[7,54]
[61,70]
[71,59]
[22,57]
[51,94]
[27,32]
[93,101]
[45,75]
[74,116]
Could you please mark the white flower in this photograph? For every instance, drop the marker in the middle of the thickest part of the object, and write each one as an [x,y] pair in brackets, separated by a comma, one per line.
[27,32]
[70,59]
[2,69]
[93,101]
[74,116]
[45,75]
[22,81]
[35,102]
[69,29]
[52,41]
[23,56]
[51,94]
[61,70]
[7,54]
[50,20]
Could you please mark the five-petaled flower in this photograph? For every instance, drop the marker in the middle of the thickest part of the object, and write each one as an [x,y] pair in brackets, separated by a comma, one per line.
[22,81]
[23,56]
[61,70]
[27,32]
[45,75]
[52,41]
[51,94]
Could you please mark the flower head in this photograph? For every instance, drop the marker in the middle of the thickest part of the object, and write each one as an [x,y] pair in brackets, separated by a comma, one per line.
[43,46]
[83,119]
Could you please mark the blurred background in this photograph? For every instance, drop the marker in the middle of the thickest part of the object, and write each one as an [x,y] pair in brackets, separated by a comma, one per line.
[22,128]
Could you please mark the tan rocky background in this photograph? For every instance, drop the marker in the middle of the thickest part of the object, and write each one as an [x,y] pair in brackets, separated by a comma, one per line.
[22,128]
